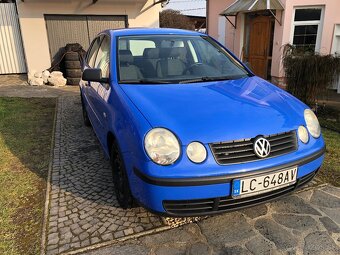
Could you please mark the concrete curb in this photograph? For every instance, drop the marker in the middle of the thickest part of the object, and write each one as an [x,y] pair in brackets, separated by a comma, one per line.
[48,185]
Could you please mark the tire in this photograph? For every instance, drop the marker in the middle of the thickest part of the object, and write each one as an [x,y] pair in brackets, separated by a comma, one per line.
[85,116]
[120,179]
[71,56]
[72,47]
[74,64]
[73,81]
[73,73]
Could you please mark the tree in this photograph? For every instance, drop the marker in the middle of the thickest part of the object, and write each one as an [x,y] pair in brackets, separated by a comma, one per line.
[174,19]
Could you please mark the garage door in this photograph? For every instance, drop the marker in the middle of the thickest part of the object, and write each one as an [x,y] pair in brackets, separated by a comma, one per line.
[12,58]
[64,29]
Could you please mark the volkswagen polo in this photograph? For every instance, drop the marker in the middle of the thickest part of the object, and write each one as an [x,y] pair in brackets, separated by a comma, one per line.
[189,129]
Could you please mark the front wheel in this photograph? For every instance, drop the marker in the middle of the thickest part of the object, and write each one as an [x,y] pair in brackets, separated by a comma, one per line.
[120,179]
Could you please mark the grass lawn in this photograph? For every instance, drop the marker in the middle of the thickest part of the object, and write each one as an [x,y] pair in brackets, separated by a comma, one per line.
[25,136]
[330,171]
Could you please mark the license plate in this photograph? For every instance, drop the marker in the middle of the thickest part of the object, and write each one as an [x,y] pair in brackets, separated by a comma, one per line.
[263,183]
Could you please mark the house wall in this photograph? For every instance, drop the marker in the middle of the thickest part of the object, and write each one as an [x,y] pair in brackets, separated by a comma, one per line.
[214,9]
[282,34]
[141,13]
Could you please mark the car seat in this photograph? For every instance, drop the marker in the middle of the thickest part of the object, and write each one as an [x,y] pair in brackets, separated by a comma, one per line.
[170,63]
[151,58]
[128,71]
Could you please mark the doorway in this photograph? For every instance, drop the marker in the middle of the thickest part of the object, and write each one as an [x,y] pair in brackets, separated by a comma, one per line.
[258,44]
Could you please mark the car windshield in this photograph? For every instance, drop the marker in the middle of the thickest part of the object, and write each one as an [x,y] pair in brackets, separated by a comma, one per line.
[158,59]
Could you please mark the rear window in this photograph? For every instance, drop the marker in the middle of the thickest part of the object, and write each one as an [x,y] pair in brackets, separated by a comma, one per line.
[136,47]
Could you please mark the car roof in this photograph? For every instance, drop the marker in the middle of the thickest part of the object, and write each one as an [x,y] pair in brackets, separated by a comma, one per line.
[150,31]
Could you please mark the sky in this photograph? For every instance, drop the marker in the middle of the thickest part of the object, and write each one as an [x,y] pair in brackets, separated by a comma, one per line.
[188,7]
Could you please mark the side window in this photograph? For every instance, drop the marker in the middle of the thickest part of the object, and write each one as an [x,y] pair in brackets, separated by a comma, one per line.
[137,47]
[103,57]
[193,52]
[92,52]
[123,44]
[206,51]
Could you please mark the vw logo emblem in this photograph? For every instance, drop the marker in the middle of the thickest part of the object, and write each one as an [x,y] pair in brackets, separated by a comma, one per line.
[262,147]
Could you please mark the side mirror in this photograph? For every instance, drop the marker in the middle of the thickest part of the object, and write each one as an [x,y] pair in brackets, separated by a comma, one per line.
[94,74]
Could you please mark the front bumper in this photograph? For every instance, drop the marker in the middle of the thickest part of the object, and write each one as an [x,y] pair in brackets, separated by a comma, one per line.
[183,197]
[199,207]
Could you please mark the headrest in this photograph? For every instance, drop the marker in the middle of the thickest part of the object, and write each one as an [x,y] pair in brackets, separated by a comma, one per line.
[151,53]
[165,52]
[125,56]
[173,52]
[178,52]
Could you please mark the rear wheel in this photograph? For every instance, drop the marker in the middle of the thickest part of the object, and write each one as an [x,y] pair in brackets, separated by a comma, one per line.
[120,179]
[85,116]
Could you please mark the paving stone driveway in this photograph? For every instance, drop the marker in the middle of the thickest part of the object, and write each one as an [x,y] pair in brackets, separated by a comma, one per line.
[304,223]
[83,208]
[84,212]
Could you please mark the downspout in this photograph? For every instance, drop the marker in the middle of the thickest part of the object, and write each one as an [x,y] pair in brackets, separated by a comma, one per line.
[207,16]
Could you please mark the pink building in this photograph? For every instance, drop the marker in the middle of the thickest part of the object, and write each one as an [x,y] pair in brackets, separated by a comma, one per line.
[256,30]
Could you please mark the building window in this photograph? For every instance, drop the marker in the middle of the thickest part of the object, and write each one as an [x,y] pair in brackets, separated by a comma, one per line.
[307,29]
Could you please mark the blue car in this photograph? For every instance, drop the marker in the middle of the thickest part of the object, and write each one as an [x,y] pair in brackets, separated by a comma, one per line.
[189,129]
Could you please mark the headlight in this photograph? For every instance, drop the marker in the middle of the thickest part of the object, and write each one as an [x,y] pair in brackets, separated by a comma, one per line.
[303,134]
[162,146]
[312,123]
[196,152]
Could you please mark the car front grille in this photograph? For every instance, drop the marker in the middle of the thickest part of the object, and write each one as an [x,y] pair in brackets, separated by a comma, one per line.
[241,151]
[199,207]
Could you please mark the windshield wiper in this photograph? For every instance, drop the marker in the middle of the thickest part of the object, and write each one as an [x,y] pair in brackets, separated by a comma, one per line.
[206,78]
[144,81]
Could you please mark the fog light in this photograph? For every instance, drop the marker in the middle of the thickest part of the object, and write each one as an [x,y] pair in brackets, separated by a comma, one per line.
[196,152]
[303,134]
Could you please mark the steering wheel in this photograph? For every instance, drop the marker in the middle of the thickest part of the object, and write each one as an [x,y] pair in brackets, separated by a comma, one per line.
[191,67]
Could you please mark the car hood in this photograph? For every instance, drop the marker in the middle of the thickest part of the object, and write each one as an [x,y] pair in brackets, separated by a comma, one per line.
[218,111]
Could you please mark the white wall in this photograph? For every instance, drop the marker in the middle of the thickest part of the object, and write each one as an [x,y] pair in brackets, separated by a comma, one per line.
[141,13]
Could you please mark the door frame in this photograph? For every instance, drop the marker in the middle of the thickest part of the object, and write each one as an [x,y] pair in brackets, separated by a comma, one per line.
[336,33]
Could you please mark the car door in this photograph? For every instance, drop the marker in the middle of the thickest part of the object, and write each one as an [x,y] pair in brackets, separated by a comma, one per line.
[98,93]
[86,85]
